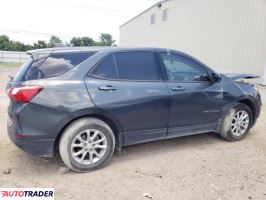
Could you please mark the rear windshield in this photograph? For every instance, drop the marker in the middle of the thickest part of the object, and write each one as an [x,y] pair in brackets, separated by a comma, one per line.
[56,64]
[22,70]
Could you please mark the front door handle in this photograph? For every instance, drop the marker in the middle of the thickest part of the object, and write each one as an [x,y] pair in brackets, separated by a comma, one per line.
[178,88]
[107,88]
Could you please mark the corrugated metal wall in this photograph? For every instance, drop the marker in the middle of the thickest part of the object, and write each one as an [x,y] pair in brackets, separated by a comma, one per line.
[228,35]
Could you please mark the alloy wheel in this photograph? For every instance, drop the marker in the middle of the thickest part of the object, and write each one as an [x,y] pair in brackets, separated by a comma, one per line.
[88,146]
[240,123]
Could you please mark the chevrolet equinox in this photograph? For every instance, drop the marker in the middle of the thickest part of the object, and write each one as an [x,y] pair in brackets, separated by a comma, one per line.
[84,102]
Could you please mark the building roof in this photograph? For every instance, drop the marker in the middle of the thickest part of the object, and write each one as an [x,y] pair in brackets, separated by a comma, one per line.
[160,2]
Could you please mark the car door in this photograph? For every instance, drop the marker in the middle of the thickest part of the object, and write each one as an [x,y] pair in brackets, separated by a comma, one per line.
[129,87]
[195,100]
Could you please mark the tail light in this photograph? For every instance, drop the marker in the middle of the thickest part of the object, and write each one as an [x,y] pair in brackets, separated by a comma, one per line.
[23,94]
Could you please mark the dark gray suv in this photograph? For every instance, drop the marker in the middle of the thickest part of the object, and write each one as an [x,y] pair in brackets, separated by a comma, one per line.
[84,102]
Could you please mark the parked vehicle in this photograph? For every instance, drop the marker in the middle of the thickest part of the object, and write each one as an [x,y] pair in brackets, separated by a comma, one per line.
[84,102]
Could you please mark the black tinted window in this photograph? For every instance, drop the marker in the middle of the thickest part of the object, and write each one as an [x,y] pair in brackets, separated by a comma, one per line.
[55,65]
[137,66]
[106,68]
[180,68]
[22,70]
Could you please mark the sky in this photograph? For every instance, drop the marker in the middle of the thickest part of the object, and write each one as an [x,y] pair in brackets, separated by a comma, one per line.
[31,20]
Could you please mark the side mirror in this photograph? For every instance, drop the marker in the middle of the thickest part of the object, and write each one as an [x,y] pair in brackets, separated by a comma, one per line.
[215,77]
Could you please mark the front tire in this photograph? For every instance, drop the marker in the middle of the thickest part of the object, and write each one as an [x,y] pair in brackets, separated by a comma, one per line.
[237,123]
[87,144]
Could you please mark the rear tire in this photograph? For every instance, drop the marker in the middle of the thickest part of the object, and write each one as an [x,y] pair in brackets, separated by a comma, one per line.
[87,144]
[237,123]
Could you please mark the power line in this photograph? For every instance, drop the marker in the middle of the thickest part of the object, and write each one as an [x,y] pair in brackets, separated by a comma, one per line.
[33,33]
[107,10]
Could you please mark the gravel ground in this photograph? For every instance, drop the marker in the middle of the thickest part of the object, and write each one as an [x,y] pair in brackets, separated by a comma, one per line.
[194,167]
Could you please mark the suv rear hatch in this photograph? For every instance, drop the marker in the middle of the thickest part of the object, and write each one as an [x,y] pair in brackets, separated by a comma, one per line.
[34,61]
[42,64]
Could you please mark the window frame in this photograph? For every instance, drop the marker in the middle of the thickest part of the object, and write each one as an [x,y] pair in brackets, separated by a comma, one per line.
[157,64]
[191,59]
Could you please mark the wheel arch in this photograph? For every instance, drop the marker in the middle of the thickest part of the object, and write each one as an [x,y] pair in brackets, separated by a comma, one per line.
[116,128]
[252,107]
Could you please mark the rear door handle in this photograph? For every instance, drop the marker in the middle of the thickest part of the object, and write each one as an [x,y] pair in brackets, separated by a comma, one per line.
[107,88]
[178,88]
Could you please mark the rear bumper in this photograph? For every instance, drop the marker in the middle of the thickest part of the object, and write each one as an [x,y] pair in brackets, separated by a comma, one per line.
[42,147]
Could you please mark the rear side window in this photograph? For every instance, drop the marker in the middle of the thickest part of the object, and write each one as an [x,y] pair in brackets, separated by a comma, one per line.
[106,68]
[55,65]
[137,66]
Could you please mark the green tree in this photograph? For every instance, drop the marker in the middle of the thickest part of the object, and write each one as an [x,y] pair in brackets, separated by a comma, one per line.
[87,41]
[40,44]
[84,41]
[106,39]
[76,42]
[4,42]
[53,41]
[9,45]
[3,38]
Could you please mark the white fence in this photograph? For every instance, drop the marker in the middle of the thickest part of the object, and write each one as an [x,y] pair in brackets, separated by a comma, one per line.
[13,57]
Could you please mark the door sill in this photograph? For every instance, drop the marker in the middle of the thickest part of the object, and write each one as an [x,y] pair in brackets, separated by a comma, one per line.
[191,130]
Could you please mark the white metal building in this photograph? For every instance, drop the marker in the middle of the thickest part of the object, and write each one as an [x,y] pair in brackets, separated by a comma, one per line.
[227,35]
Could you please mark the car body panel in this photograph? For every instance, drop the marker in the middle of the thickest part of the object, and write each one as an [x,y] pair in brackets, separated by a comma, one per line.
[140,111]
[199,104]
[138,106]
[236,76]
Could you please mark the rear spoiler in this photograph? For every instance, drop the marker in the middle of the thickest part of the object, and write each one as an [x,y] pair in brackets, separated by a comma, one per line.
[237,76]
[40,53]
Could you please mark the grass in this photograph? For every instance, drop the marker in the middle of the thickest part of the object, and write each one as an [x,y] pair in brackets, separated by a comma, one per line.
[10,64]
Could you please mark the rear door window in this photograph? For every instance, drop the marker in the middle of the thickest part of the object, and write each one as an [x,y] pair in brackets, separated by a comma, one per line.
[137,66]
[106,69]
[56,64]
